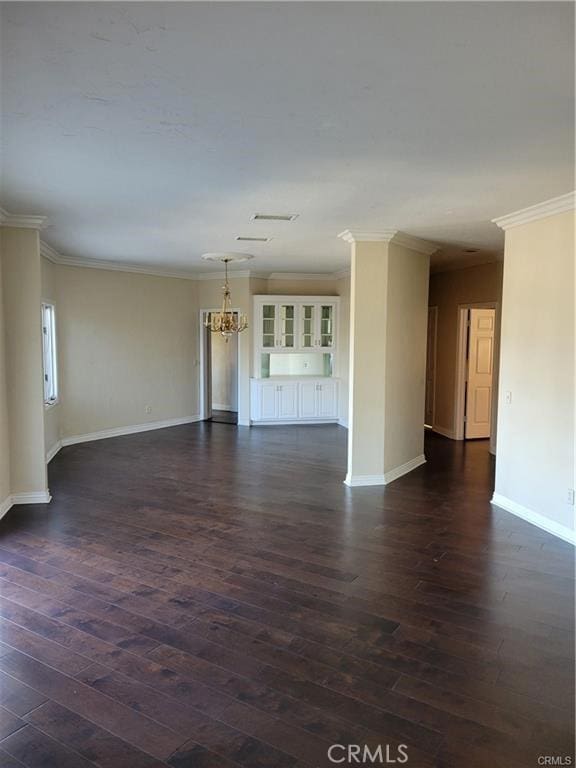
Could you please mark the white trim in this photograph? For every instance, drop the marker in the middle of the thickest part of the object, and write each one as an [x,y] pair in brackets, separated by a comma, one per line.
[243,422]
[393,236]
[343,423]
[34,497]
[551,207]
[445,432]
[535,518]
[22,220]
[358,480]
[388,477]
[116,266]
[403,469]
[130,430]
[5,506]
[302,276]
[300,422]
[53,451]
[360,236]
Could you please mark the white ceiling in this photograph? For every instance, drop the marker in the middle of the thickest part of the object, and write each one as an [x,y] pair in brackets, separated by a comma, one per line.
[150,132]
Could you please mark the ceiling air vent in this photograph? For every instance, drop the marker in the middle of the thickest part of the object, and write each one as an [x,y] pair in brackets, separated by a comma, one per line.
[247,239]
[274,217]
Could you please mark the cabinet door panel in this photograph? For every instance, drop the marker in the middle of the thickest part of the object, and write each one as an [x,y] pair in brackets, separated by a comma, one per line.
[287,317]
[326,331]
[327,400]
[308,334]
[269,325]
[308,400]
[288,401]
[268,401]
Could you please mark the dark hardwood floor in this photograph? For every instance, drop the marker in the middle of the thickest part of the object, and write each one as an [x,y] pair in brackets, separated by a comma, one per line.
[211,597]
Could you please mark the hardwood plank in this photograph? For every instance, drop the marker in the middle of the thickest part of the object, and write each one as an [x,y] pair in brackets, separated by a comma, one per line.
[252,612]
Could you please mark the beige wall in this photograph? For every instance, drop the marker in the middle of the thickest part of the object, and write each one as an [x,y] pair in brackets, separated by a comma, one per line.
[126,342]
[21,267]
[406,331]
[4,433]
[447,291]
[50,295]
[535,456]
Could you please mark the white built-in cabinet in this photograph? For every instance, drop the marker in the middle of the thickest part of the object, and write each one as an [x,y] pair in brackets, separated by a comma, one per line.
[313,400]
[294,324]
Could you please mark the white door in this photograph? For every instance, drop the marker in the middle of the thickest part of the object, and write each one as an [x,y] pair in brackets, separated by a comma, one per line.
[431,366]
[479,379]
[287,401]
[327,401]
[308,399]
[268,401]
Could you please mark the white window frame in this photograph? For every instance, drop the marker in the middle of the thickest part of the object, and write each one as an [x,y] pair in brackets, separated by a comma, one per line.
[49,354]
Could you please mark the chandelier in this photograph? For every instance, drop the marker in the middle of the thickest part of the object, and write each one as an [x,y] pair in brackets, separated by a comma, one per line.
[226,322]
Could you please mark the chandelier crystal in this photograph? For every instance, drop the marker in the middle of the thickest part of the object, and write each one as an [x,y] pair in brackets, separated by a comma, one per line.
[226,322]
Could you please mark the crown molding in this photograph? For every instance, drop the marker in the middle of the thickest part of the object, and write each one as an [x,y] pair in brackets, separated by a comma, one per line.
[71,261]
[390,236]
[301,276]
[22,221]
[551,207]
[363,236]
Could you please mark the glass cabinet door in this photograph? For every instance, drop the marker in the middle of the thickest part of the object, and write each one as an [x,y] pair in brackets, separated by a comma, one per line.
[268,325]
[308,339]
[287,325]
[326,325]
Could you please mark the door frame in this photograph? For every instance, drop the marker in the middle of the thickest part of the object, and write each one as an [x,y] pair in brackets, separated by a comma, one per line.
[205,368]
[460,391]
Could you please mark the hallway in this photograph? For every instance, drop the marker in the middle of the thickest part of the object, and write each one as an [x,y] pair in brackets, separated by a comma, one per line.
[201,596]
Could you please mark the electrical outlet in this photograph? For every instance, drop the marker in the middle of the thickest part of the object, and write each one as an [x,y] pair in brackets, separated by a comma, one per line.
[148,409]
[571,496]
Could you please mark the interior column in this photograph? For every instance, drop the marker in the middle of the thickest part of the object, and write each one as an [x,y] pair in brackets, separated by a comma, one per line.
[388,323]
[22,298]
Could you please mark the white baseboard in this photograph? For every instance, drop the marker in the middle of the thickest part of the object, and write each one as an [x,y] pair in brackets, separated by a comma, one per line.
[358,480]
[53,451]
[34,497]
[388,477]
[131,430]
[445,432]
[540,521]
[243,422]
[300,422]
[343,423]
[403,469]
[5,506]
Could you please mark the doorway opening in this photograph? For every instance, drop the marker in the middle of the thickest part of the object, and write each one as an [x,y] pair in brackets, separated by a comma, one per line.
[219,361]
[475,384]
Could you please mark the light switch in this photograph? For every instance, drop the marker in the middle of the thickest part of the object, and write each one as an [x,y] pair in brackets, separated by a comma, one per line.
[508,398]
